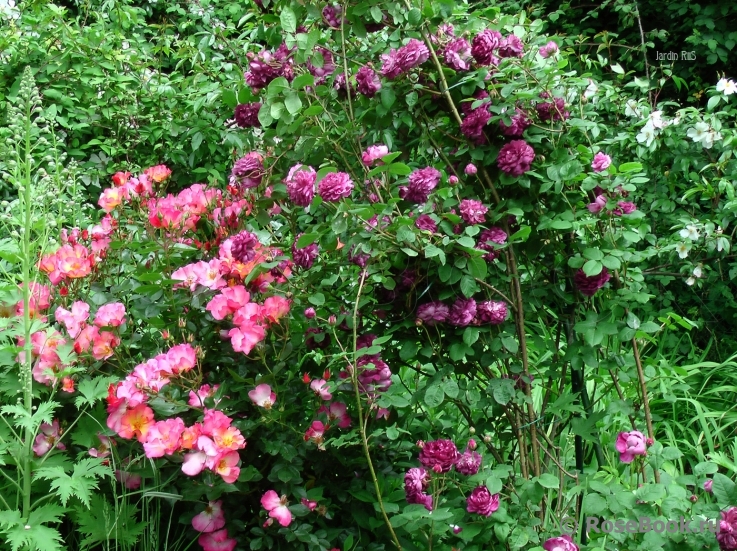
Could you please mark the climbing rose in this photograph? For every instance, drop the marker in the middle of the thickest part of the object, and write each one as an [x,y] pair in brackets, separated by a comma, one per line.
[511,47]
[601,162]
[482,502]
[211,519]
[110,315]
[598,204]
[301,185]
[561,543]
[425,223]
[487,237]
[415,483]
[412,54]
[374,153]
[263,396]
[589,285]
[367,81]
[217,541]
[246,115]
[630,444]
[332,14]
[516,157]
[470,169]
[442,454]
[491,311]
[468,463]
[243,246]
[551,48]
[433,312]
[483,46]
[457,55]
[335,186]
[727,535]
[552,111]
[248,171]
[473,211]
[462,312]
[262,69]
[520,122]
[708,484]
[624,207]
[327,69]
[304,257]
[421,183]
[474,123]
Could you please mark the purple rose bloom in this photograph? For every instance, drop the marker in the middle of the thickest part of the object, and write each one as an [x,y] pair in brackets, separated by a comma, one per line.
[373,374]
[374,153]
[589,285]
[328,66]
[262,69]
[365,341]
[483,46]
[462,312]
[360,259]
[515,158]
[335,186]
[248,171]
[727,535]
[457,55]
[246,115]
[283,55]
[551,48]
[243,246]
[412,54]
[469,463]
[552,111]
[487,237]
[332,14]
[511,47]
[473,211]
[474,123]
[415,483]
[561,543]
[301,185]
[520,122]
[601,162]
[367,81]
[439,455]
[390,67]
[425,223]
[466,106]
[304,257]
[432,313]
[598,204]
[707,485]
[482,502]
[624,207]
[492,311]
[311,343]
[470,169]
[421,183]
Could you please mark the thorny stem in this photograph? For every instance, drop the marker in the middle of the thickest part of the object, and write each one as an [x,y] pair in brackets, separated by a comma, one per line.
[362,427]
[345,62]
[645,400]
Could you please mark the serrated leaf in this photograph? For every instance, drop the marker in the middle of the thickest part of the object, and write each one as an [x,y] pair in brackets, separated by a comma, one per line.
[468,286]
[288,20]
[387,96]
[548,480]
[450,388]
[470,335]
[592,268]
[434,396]
[293,103]
[414,16]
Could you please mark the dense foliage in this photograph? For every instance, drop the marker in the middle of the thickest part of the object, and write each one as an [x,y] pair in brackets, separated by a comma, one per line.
[450,282]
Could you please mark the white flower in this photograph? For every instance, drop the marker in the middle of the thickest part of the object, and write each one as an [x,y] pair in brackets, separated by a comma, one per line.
[647,134]
[683,249]
[656,117]
[691,281]
[697,272]
[690,232]
[727,86]
[699,132]
[125,45]
[631,109]
[710,138]
[591,90]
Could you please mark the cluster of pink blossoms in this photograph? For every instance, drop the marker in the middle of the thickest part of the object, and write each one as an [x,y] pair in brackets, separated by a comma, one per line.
[210,523]
[212,444]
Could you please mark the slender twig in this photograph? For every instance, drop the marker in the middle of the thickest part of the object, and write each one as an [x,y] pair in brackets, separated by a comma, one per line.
[645,400]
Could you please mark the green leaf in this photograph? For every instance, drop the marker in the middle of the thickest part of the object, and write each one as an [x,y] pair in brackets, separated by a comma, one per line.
[307,239]
[617,68]
[494,485]
[434,396]
[288,20]
[723,489]
[650,492]
[510,343]
[593,254]
[470,335]
[414,16]
[713,102]
[230,99]
[432,251]
[548,480]
[318,299]
[630,167]
[399,169]
[277,87]
[293,103]
[477,267]
[503,390]
[302,81]
[387,96]
[312,110]
[594,504]
[450,388]
[592,268]
[468,286]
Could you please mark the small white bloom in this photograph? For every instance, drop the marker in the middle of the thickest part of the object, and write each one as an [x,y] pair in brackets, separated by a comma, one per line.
[631,109]
[656,117]
[125,45]
[647,134]
[690,281]
[728,87]
[690,232]
[683,249]
[699,132]
[591,90]
[697,272]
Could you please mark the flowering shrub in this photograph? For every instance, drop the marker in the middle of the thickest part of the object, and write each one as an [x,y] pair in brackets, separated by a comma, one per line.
[425,238]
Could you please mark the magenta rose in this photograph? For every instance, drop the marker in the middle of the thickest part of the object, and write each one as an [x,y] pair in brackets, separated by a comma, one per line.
[367,82]
[727,535]
[482,502]
[561,543]
[515,158]
[439,455]
[457,55]
[483,46]
[589,285]
[601,162]
[492,311]
[248,171]
[630,444]
[335,186]
[433,312]
[473,211]
[246,115]
[301,185]
[462,312]
[551,48]
[469,463]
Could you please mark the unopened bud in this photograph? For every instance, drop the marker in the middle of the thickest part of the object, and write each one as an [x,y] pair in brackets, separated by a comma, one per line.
[310,313]
[332,320]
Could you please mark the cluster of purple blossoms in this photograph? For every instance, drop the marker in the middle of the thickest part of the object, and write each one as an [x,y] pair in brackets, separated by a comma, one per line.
[515,158]
[415,484]
[304,257]
[331,15]
[511,47]
[358,258]
[469,461]
[552,110]
[367,81]
[601,199]
[398,62]
[457,55]
[432,313]
[335,186]
[483,46]
[493,312]
[475,122]
[439,455]
[266,66]
[339,84]
[327,69]
[374,374]
[374,153]
[727,535]
[482,502]
[601,162]
[551,48]
[589,285]
[246,115]
[243,246]
[425,223]
[248,171]
[300,184]
[420,185]
[520,122]
[463,312]
[488,238]
[473,211]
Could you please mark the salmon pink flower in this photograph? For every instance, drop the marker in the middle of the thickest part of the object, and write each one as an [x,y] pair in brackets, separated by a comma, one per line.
[105,447]
[277,507]
[226,465]
[48,438]
[246,337]
[275,308]
[217,541]
[320,387]
[110,315]
[263,396]
[73,261]
[181,358]
[190,436]
[337,411]
[163,438]
[211,519]
[136,422]
[112,197]
[103,345]
[228,438]
[158,173]
[75,320]
[67,385]
[129,480]
[311,505]
[120,178]
[194,463]
[197,399]
[630,444]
